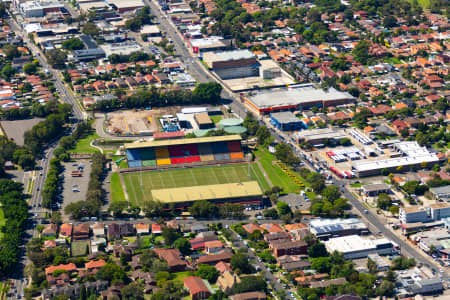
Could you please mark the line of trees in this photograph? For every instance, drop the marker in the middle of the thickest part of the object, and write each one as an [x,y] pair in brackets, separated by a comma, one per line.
[15,211]
[204,93]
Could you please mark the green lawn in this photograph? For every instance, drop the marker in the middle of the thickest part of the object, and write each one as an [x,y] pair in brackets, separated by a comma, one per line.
[423,3]
[117,193]
[180,276]
[189,177]
[79,248]
[2,221]
[216,118]
[276,175]
[84,144]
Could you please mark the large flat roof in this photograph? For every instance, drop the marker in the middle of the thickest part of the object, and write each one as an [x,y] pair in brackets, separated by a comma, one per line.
[367,165]
[296,96]
[208,192]
[162,143]
[232,55]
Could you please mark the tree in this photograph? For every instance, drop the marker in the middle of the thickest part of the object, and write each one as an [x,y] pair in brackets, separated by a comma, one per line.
[264,136]
[360,118]
[56,58]
[208,272]
[170,235]
[10,51]
[345,142]
[133,291]
[203,209]
[285,153]
[321,264]
[240,263]
[384,201]
[389,22]
[361,52]
[117,207]
[283,208]
[91,29]
[249,284]
[110,272]
[73,44]
[207,93]
[331,193]
[317,250]
[30,68]
[394,209]
[182,245]
[7,72]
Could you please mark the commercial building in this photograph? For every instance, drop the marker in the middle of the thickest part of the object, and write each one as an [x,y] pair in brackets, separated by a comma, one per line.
[125,48]
[243,192]
[318,136]
[214,43]
[124,6]
[354,246]
[204,121]
[410,155]
[441,193]
[38,9]
[324,229]
[372,190]
[88,54]
[297,97]
[286,121]
[412,214]
[439,211]
[151,30]
[232,64]
[288,248]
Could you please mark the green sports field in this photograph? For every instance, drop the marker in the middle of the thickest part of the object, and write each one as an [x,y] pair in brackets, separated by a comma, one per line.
[188,177]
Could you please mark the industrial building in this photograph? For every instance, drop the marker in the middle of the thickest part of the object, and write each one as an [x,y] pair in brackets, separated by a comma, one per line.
[441,193]
[410,154]
[232,64]
[286,121]
[124,6]
[242,192]
[412,214]
[35,9]
[372,190]
[354,246]
[214,43]
[325,229]
[318,136]
[298,97]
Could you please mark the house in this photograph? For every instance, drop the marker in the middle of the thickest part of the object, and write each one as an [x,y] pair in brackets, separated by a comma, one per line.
[249,296]
[50,230]
[227,281]
[48,244]
[81,231]
[98,230]
[127,229]
[412,122]
[270,237]
[343,297]
[94,265]
[142,229]
[156,229]
[197,228]
[272,228]
[69,268]
[196,287]
[289,248]
[173,259]
[65,230]
[212,247]
[250,228]
[214,259]
[223,267]
[60,280]
[113,231]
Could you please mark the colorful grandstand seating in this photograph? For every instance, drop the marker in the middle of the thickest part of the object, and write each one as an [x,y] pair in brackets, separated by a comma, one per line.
[220,147]
[208,157]
[149,163]
[190,159]
[133,154]
[162,152]
[236,155]
[234,146]
[134,163]
[178,160]
[204,149]
[163,161]
[222,156]
[176,150]
[147,154]
[190,149]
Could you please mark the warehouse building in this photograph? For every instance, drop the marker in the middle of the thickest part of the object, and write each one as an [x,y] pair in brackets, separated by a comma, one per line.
[232,64]
[204,121]
[324,229]
[441,193]
[354,246]
[124,6]
[214,43]
[286,121]
[35,9]
[299,97]
[411,155]
[242,192]
[318,136]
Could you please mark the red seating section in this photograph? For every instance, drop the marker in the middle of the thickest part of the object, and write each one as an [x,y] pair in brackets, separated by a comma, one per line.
[190,159]
[178,160]
[234,146]
[176,150]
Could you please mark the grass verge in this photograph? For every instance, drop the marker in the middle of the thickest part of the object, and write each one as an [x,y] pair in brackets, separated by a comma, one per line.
[117,193]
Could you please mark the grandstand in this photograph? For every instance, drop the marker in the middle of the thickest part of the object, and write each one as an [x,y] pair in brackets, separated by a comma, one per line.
[183,152]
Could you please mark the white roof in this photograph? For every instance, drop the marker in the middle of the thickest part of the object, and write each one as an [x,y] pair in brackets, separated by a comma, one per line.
[367,165]
[149,29]
[214,41]
[353,243]
[126,3]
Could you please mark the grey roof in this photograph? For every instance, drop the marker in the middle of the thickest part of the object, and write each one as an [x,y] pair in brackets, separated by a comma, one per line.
[300,95]
[88,41]
[375,187]
[441,191]
[285,117]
